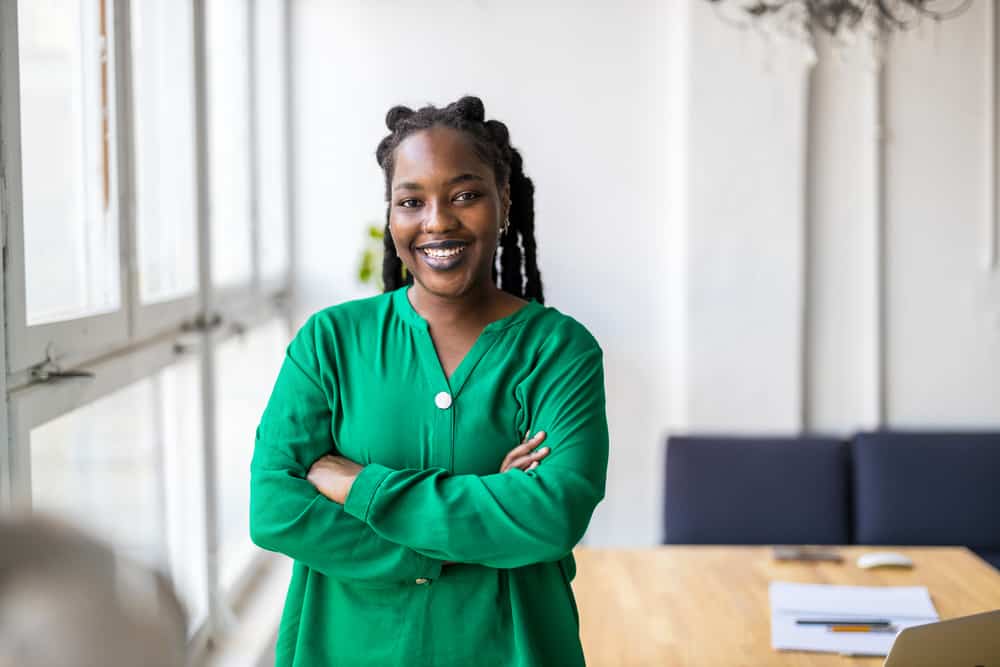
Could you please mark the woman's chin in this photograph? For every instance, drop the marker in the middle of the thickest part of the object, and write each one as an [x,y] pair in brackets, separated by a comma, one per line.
[450,284]
[449,289]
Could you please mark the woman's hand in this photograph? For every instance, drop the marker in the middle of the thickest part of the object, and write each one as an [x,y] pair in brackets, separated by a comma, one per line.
[333,476]
[522,457]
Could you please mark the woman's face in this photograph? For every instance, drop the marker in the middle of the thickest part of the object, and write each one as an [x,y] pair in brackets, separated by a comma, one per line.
[445,211]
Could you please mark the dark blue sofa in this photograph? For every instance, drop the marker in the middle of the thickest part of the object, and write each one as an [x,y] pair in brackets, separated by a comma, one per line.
[890,487]
[757,491]
[928,488]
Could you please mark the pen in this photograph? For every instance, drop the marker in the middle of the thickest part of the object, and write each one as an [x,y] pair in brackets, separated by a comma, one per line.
[862,628]
[842,621]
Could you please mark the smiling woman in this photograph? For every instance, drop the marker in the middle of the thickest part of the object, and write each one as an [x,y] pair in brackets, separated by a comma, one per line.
[494,173]
[430,207]
[390,462]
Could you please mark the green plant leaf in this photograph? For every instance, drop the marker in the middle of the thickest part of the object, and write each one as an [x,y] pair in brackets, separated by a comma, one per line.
[366,269]
[369,266]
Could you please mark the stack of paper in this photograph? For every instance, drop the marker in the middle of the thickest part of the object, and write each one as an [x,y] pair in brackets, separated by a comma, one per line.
[902,606]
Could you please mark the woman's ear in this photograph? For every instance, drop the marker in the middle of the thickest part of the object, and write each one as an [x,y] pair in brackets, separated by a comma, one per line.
[505,198]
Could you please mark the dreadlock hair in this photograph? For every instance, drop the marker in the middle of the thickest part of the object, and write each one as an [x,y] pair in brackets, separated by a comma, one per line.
[518,273]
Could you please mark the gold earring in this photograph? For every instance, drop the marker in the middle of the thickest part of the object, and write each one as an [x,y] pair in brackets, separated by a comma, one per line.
[505,226]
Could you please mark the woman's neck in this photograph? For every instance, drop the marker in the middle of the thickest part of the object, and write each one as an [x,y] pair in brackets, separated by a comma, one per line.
[475,307]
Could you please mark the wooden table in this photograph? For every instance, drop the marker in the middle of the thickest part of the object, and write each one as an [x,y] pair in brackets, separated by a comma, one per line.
[708,606]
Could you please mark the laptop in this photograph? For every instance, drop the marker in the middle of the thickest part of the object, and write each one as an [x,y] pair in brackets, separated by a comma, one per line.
[969,641]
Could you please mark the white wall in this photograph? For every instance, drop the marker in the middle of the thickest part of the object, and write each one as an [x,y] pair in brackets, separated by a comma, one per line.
[842,371]
[943,307]
[706,205]
[583,94]
[785,249]
[744,229]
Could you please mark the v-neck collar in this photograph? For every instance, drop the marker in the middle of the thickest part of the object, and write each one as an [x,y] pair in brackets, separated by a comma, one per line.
[486,338]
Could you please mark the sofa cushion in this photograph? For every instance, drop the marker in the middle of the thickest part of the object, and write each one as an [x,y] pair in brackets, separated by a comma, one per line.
[756,491]
[927,488]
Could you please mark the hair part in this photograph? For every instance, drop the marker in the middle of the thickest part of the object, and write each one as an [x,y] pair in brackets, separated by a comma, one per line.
[518,273]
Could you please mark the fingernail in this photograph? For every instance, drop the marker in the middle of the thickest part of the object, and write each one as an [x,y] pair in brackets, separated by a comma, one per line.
[544,450]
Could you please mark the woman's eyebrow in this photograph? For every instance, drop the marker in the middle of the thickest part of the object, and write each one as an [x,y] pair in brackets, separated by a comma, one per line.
[465,177]
[410,185]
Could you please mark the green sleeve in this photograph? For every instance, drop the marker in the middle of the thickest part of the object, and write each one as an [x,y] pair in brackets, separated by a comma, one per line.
[509,519]
[287,514]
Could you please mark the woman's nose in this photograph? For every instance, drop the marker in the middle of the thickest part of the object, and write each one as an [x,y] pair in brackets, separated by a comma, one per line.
[439,219]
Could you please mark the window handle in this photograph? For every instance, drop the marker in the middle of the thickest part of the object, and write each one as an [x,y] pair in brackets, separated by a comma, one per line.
[50,371]
[46,375]
[202,323]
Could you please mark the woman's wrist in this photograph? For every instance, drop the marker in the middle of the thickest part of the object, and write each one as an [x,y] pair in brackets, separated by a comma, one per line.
[333,477]
[346,487]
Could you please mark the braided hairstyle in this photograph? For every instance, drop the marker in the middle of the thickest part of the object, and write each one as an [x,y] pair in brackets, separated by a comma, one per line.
[518,273]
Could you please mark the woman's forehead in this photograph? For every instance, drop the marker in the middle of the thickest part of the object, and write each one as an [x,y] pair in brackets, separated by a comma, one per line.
[437,152]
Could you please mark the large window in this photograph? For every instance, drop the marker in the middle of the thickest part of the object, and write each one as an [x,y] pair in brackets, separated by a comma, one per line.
[144,328]
[163,113]
[68,147]
[178,404]
[99,465]
[271,89]
[229,149]
[248,366]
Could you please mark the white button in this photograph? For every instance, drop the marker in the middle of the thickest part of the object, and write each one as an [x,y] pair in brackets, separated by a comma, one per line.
[443,400]
[421,580]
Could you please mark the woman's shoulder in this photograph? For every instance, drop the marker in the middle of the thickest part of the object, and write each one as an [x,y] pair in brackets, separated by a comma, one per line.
[345,321]
[352,312]
[561,333]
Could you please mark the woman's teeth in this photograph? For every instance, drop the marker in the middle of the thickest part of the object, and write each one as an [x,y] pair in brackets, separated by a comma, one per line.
[443,252]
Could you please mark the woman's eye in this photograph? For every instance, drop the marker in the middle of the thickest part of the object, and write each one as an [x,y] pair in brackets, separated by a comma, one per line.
[466,196]
[410,203]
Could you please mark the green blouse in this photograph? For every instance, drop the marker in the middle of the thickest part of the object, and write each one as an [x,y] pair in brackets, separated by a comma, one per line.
[363,379]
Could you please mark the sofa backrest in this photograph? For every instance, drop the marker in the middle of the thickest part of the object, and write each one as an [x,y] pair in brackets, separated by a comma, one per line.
[927,488]
[738,490]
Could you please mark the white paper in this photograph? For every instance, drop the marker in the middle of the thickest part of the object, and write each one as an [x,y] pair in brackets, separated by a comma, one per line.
[904,606]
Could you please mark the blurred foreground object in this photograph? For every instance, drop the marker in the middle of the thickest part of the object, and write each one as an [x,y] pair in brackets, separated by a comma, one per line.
[66,600]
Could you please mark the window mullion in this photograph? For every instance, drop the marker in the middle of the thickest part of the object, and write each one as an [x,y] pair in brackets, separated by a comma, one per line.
[126,164]
[289,138]
[10,218]
[6,479]
[159,440]
[11,193]
[253,153]
[216,614]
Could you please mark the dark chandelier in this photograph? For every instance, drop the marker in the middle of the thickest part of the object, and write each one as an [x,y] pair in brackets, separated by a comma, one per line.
[837,16]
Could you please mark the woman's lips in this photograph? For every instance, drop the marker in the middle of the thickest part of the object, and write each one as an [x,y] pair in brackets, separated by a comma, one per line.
[443,259]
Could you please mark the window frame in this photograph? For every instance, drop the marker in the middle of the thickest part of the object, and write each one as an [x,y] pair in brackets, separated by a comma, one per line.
[148,319]
[35,405]
[9,155]
[138,340]
[232,296]
[70,340]
[272,284]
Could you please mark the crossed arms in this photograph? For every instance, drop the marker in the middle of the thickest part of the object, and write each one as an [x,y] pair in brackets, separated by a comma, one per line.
[398,525]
